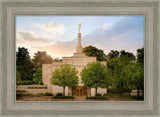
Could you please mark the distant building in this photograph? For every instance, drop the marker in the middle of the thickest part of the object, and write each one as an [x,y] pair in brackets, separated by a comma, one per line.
[79,60]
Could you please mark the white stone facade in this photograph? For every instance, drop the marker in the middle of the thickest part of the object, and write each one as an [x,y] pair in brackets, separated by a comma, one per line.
[79,60]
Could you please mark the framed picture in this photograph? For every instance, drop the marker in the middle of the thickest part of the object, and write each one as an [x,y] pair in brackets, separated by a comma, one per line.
[79,58]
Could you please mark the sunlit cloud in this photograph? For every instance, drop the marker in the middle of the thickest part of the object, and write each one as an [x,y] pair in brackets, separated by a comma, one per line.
[31,37]
[53,27]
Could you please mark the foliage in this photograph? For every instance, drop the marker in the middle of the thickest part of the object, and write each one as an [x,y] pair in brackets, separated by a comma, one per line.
[24,64]
[128,55]
[93,51]
[117,64]
[133,76]
[94,75]
[18,77]
[97,97]
[40,58]
[115,90]
[41,83]
[123,96]
[140,56]
[37,87]
[63,97]
[59,94]
[65,76]
[48,94]
[25,83]
[37,76]
[20,91]
[98,94]
[113,54]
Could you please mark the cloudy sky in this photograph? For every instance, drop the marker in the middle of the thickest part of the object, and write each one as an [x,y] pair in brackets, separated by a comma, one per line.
[57,35]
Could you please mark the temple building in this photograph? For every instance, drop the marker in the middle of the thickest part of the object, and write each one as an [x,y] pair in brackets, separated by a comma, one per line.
[79,60]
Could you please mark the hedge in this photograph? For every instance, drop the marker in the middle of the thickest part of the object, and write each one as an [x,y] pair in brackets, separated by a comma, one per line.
[59,94]
[97,97]
[98,94]
[37,87]
[63,97]
[25,83]
[48,94]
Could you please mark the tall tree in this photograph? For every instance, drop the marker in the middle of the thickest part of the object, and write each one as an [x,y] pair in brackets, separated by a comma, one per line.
[37,76]
[65,76]
[140,56]
[18,77]
[40,58]
[24,64]
[139,78]
[130,56]
[93,51]
[93,75]
[113,54]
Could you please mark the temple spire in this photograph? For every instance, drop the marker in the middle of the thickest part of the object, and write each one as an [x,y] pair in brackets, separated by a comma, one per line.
[79,46]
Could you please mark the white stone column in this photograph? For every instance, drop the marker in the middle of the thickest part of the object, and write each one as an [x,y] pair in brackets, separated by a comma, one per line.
[66,91]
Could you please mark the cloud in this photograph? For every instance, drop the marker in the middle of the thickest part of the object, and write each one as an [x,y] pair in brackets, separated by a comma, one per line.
[65,48]
[29,36]
[127,33]
[53,27]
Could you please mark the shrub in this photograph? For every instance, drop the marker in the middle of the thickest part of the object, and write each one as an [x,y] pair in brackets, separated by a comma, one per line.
[37,87]
[41,83]
[25,83]
[97,97]
[19,95]
[63,97]
[98,94]
[48,94]
[105,94]
[20,91]
[59,94]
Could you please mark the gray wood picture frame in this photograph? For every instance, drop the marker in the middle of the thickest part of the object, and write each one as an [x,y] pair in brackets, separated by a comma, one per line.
[9,9]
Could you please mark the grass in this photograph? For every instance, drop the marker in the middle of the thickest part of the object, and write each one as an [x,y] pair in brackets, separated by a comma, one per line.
[63,97]
[97,97]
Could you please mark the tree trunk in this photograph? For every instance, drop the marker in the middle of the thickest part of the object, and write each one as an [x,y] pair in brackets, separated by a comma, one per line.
[63,90]
[96,91]
[138,92]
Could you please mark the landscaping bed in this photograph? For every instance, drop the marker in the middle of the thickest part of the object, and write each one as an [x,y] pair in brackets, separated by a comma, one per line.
[97,97]
[63,97]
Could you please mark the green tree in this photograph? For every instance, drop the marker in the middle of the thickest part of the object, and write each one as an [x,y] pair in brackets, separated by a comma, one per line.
[140,56]
[129,74]
[130,56]
[93,51]
[93,75]
[139,78]
[65,76]
[37,76]
[18,77]
[113,54]
[24,64]
[40,58]
[108,79]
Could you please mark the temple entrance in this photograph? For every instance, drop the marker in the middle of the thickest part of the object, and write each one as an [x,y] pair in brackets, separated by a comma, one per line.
[79,91]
